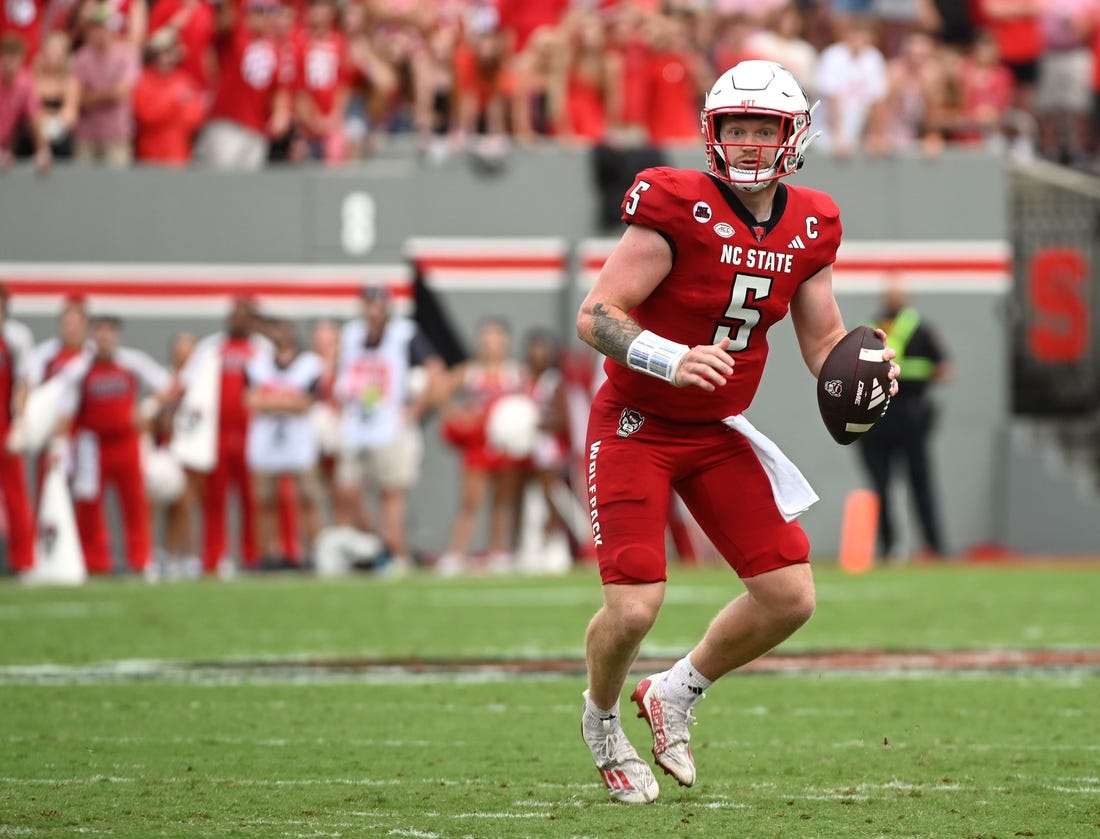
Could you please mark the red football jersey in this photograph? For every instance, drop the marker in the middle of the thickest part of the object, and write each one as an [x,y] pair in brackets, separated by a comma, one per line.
[23,18]
[324,68]
[248,68]
[108,400]
[731,276]
[233,412]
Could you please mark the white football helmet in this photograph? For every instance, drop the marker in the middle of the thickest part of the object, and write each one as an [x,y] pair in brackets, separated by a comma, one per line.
[758,88]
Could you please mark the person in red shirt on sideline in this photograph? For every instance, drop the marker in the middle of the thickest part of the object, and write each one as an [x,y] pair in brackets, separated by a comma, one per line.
[168,106]
[192,21]
[101,404]
[251,104]
[708,263]
[51,355]
[237,348]
[323,83]
[15,349]
[475,385]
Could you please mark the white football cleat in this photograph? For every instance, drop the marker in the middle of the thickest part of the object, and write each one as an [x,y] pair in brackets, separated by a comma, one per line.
[669,722]
[627,777]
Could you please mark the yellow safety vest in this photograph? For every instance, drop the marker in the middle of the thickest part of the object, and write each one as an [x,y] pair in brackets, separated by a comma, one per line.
[913,368]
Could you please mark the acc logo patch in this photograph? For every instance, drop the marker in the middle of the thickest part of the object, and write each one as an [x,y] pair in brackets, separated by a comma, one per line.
[701,212]
[833,387]
[724,230]
[629,422]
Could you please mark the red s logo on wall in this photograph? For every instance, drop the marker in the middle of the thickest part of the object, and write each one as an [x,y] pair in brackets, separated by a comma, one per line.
[1057,282]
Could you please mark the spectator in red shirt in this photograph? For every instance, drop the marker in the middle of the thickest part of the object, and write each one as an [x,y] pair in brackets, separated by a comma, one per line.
[522,18]
[251,104]
[168,105]
[193,23]
[101,404]
[20,109]
[107,67]
[594,81]
[538,97]
[1015,27]
[677,78]
[373,83]
[322,95]
[23,18]
[484,85]
[985,90]
[287,34]
[629,44]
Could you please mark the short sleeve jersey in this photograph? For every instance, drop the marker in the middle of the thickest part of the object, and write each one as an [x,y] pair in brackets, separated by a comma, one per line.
[731,276]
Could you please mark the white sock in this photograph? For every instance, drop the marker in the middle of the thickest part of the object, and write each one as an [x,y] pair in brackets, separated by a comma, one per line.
[684,683]
[595,715]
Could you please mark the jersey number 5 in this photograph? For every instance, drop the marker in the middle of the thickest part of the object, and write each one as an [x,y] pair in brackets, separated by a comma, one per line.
[746,316]
[631,205]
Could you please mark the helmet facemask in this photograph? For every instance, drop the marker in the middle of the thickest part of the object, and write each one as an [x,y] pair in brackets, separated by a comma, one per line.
[786,154]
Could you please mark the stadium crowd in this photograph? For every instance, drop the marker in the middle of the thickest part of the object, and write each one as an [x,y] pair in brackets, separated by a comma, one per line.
[310,446]
[240,83]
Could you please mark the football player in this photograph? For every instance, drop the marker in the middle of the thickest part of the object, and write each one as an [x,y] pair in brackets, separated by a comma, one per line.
[682,307]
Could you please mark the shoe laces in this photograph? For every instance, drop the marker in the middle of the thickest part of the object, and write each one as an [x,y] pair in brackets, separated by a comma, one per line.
[611,745]
[681,716]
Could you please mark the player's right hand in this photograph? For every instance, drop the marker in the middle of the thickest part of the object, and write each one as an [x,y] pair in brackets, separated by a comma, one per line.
[706,366]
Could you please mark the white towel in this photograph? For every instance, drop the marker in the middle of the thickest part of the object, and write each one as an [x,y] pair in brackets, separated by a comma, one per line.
[793,493]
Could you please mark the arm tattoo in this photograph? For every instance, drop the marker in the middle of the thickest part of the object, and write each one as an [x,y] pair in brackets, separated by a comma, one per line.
[611,334]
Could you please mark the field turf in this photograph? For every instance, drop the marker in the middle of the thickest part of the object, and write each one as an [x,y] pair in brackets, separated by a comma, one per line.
[288,707]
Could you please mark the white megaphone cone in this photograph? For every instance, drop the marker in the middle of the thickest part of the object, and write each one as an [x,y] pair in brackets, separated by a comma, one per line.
[41,413]
[58,557]
[195,429]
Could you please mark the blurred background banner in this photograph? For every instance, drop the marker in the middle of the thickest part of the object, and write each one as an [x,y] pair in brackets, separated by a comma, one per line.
[1056,296]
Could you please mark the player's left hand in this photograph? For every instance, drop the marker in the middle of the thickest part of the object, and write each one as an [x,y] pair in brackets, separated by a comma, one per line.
[888,355]
[705,366]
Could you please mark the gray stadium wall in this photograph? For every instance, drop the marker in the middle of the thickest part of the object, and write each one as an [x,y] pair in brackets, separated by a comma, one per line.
[334,228]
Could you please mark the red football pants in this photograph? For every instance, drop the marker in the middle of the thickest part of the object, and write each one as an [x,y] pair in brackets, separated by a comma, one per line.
[712,468]
[231,470]
[119,466]
[13,489]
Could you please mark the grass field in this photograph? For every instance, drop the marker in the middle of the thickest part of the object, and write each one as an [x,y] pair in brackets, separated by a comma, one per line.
[275,707]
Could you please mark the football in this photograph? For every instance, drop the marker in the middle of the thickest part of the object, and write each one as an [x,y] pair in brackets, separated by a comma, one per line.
[853,388]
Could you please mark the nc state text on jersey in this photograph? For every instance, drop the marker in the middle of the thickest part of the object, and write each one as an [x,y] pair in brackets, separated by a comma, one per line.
[758,258]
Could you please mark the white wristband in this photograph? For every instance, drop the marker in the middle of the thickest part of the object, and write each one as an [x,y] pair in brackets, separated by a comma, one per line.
[655,356]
